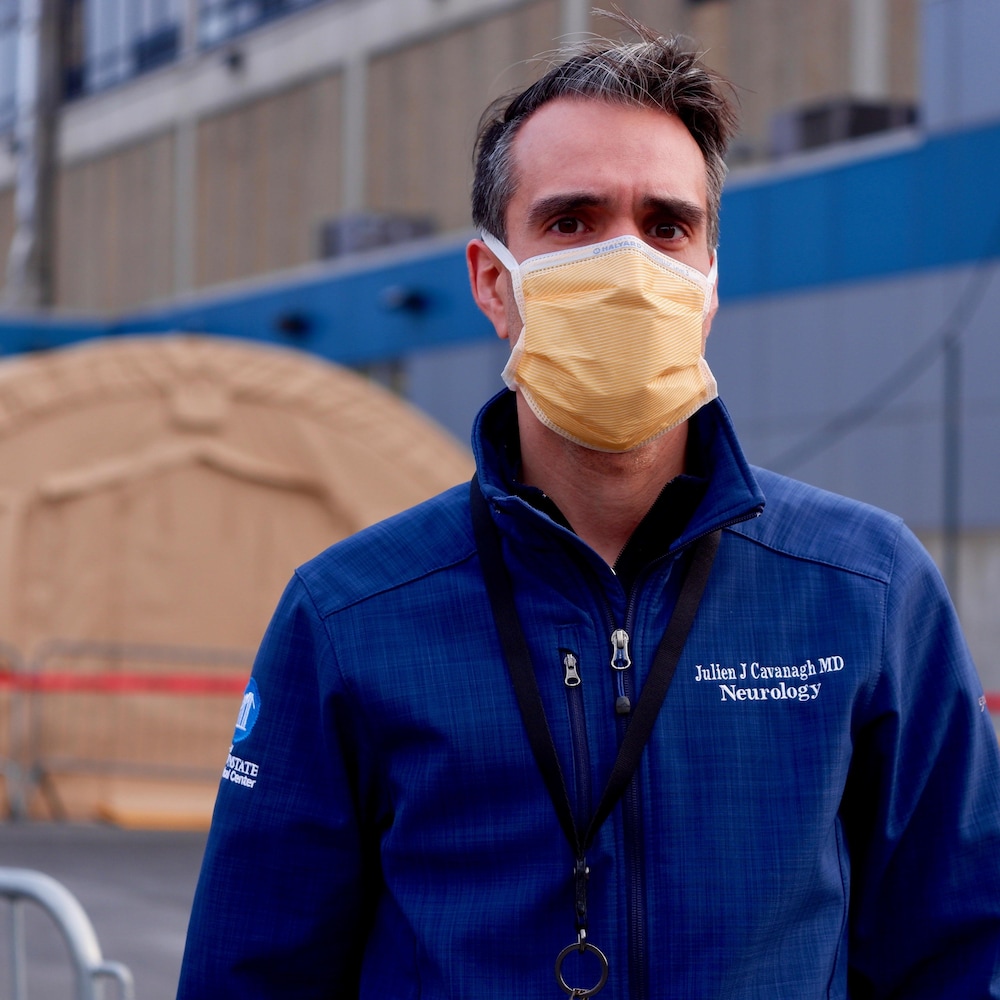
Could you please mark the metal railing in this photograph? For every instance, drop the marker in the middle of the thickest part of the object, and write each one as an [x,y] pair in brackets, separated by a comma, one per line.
[21,885]
[122,709]
[12,732]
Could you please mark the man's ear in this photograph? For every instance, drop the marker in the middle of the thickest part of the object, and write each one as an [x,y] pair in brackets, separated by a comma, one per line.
[490,285]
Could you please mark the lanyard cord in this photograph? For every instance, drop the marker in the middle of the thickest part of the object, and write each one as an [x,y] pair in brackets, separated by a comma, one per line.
[518,656]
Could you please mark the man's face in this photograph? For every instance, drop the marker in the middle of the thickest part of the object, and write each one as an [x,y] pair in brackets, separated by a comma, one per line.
[587,171]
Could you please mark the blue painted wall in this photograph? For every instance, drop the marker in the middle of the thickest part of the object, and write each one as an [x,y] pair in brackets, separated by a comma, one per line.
[934,205]
[370,308]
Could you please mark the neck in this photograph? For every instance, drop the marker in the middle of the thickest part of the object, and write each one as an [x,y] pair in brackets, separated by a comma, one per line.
[603,496]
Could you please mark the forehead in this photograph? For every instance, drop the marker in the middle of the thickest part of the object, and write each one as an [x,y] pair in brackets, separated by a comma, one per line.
[584,144]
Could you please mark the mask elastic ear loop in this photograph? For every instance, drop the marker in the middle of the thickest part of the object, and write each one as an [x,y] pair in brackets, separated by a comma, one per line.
[712,278]
[507,259]
[513,268]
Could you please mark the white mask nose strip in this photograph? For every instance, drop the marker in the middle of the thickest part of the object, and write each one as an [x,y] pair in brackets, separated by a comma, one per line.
[572,254]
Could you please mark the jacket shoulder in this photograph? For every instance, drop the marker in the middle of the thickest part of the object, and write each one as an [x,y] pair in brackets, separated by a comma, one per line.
[409,546]
[809,523]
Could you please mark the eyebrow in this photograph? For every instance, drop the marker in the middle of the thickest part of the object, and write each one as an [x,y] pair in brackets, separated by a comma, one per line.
[565,204]
[562,204]
[679,209]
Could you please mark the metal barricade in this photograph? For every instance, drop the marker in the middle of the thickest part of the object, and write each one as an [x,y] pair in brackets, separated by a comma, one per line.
[18,885]
[146,712]
[13,732]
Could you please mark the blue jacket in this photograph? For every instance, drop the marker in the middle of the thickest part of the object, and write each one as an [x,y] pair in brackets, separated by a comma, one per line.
[816,815]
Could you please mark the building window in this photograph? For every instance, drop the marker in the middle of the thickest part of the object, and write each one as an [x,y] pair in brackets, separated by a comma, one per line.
[106,42]
[123,38]
[795,130]
[219,20]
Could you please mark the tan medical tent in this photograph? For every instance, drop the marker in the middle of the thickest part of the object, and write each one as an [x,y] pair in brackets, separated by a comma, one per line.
[155,495]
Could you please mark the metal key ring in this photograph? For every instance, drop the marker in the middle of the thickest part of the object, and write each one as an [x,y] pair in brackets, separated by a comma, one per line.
[576,991]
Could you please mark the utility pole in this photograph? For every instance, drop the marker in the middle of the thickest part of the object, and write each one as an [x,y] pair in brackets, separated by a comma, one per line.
[30,263]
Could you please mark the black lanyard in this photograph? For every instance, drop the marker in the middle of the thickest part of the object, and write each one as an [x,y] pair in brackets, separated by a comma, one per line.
[518,657]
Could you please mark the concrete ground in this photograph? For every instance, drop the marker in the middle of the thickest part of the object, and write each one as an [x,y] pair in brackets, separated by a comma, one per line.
[135,885]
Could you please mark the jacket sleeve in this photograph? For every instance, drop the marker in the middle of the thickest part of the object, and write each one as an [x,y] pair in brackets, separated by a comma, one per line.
[922,809]
[287,885]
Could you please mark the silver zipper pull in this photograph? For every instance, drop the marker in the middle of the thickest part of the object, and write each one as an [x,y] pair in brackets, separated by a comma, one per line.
[619,644]
[572,676]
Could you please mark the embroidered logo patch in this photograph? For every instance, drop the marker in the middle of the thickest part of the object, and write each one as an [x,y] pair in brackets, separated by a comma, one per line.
[249,711]
[240,771]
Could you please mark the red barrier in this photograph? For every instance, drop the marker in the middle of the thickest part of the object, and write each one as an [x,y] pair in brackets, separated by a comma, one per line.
[84,711]
[177,683]
[142,712]
[133,683]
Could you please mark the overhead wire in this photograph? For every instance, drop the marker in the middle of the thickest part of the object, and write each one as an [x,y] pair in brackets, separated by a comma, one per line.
[891,387]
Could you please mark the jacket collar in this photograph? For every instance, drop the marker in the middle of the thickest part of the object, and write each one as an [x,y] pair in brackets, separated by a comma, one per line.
[732,493]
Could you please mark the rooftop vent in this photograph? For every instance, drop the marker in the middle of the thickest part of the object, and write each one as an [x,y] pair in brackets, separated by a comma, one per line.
[817,125]
[367,230]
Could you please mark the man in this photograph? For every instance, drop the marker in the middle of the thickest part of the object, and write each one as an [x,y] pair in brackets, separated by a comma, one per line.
[627,715]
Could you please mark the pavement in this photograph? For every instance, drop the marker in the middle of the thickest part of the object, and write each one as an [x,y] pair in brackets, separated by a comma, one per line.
[136,887]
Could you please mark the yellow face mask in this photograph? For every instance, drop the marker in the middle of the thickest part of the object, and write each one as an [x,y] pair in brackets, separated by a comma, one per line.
[610,353]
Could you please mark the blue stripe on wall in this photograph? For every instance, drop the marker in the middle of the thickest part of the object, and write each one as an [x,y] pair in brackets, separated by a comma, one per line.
[361,310]
[935,205]
[929,206]
[366,309]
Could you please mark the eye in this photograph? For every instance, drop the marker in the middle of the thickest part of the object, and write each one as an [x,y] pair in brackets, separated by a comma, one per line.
[568,225]
[668,231]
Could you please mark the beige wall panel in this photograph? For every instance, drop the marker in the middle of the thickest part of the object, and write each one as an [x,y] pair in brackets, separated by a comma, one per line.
[76,277]
[665,16]
[769,74]
[742,68]
[797,52]
[904,50]
[782,53]
[382,157]
[268,173]
[822,47]
[114,228]
[710,26]
[424,105]
[776,78]
[225,145]
[745,40]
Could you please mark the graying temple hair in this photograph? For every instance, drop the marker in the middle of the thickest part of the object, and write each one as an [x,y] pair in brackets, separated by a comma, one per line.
[656,71]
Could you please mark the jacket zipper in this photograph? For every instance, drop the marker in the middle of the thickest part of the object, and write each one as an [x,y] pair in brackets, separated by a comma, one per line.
[631,806]
[573,683]
[635,885]
[624,677]
[620,662]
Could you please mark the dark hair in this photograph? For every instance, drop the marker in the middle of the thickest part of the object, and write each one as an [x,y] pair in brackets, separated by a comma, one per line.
[656,71]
